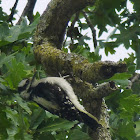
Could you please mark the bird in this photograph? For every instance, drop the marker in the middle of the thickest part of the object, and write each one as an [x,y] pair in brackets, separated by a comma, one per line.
[56,95]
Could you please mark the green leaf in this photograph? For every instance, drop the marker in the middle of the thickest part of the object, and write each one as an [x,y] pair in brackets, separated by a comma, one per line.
[22,104]
[37,117]
[20,57]
[121,78]
[138,57]
[57,125]
[12,115]
[4,123]
[137,129]
[109,47]
[126,130]
[22,135]
[78,135]
[112,33]
[129,105]
[3,15]
[123,83]
[2,85]
[101,43]
[4,59]
[136,87]
[92,57]
[84,26]
[44,136]
[114,120]
[80,50]
[16,72]
[82,39]
[17,32]
[4,30]
[61,135]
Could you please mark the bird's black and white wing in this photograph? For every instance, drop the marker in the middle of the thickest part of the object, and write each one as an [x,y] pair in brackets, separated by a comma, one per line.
[56,95]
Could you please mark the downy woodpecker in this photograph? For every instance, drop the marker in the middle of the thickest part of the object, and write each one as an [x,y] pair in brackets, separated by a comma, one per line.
[56,95]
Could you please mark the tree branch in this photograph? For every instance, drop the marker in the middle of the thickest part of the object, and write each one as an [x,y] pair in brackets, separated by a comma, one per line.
[135,78]
[28,11]
[12,12]
[56,61]
[92,29]
[71,28]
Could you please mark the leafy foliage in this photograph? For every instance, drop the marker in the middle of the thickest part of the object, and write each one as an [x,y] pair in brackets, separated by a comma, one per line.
[26,121]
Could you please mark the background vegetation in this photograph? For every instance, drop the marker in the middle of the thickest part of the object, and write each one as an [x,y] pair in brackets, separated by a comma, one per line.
[25,120]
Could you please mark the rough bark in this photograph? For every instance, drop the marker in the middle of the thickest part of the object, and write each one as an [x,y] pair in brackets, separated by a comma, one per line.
[82,74]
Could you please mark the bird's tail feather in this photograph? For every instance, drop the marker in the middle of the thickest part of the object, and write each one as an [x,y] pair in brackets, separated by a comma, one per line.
[90,120]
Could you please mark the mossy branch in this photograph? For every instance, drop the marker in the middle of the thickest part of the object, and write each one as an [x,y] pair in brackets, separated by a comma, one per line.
[56,61]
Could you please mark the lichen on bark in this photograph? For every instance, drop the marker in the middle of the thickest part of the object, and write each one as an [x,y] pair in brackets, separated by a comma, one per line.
[56,61]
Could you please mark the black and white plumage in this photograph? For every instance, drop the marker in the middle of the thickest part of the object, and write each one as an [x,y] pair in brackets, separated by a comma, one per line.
[56,95]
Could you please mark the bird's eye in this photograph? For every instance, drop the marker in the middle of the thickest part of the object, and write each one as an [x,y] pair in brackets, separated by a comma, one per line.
[27,82]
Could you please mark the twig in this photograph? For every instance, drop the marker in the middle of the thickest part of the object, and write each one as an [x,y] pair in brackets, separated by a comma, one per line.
[135,78]
[28,11]
[75,19]
[71,28]
[12,12]
[92,28]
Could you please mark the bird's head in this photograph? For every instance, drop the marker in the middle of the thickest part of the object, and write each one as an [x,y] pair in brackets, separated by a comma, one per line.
[25,87]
